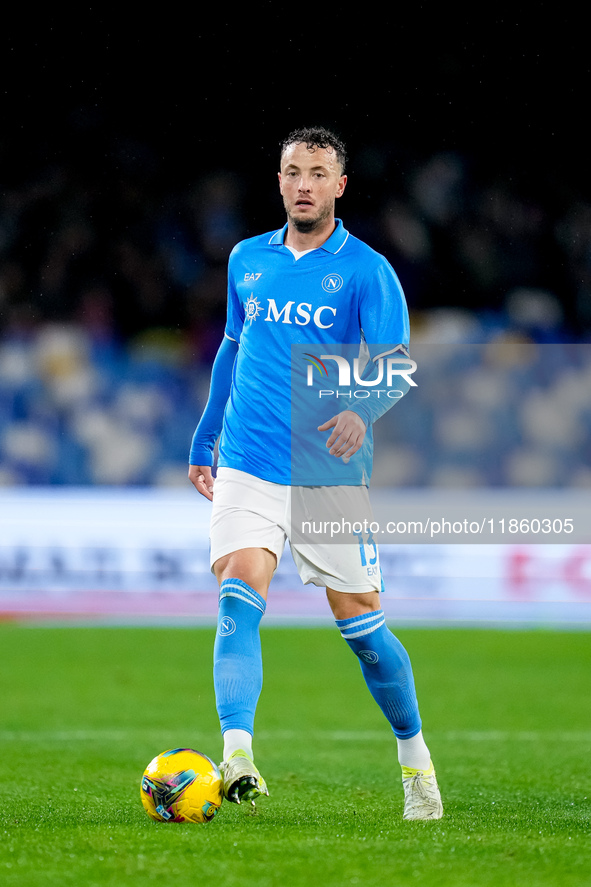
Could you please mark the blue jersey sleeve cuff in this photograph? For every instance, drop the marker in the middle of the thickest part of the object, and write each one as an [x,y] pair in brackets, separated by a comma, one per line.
[201,456]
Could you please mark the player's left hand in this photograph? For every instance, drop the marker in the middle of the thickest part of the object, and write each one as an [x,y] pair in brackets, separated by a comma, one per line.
[347,435]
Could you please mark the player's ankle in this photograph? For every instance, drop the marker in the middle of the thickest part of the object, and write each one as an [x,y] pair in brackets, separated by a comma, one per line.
[414,752]
[235,740]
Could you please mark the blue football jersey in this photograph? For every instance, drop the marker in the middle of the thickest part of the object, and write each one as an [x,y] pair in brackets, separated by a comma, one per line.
[286,313]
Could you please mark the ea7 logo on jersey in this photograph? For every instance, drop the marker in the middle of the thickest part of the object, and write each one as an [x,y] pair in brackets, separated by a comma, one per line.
[252,275]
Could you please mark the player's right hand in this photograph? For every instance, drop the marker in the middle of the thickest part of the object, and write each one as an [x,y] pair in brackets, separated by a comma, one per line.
[202,479]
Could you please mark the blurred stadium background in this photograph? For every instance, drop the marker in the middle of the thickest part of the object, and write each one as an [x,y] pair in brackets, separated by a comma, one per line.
[113,306]
[123,189]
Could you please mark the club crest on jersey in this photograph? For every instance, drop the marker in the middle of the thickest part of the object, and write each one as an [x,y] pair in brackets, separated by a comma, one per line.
[332,283]
[252,307]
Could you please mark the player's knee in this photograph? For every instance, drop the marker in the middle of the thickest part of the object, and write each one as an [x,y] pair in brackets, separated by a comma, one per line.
[255,566]
[345,605]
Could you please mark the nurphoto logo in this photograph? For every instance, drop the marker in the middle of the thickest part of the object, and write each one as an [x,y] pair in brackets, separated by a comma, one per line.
[389,369]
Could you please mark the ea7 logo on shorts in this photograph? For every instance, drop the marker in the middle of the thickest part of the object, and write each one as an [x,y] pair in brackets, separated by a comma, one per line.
[332,283]
[227,626]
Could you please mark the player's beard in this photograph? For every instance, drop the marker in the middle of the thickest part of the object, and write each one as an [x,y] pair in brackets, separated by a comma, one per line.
[306,225]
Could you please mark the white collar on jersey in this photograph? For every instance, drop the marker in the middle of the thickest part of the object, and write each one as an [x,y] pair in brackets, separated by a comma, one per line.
[299,253]
[334,244]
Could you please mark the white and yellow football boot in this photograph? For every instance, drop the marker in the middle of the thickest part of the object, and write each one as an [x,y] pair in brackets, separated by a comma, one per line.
[241,778]
[422,799]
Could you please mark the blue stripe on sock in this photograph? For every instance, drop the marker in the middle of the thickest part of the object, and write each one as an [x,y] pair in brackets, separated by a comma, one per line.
[239,589]
[362,625]
[354,620]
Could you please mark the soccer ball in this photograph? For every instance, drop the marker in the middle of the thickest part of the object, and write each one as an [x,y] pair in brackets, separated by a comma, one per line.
[181,785]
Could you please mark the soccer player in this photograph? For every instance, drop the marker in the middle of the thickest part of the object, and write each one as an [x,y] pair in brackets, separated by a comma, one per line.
[308,282]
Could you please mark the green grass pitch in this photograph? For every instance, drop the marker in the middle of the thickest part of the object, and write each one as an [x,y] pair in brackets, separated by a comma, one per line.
[506,714]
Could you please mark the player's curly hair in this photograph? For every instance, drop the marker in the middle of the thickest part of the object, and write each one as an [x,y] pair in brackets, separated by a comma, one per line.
[317,137]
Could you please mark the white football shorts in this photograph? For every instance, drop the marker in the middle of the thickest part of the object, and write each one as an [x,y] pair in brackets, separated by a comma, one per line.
[248,512]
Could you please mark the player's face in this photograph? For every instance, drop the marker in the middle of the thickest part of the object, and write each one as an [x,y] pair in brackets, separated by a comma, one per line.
[310,181]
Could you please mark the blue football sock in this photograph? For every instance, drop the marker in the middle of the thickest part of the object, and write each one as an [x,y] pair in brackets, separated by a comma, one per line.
[237,660]
[386,668]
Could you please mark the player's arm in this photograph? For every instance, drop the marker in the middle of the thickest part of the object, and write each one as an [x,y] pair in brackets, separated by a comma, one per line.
[383,317]
[210,425]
